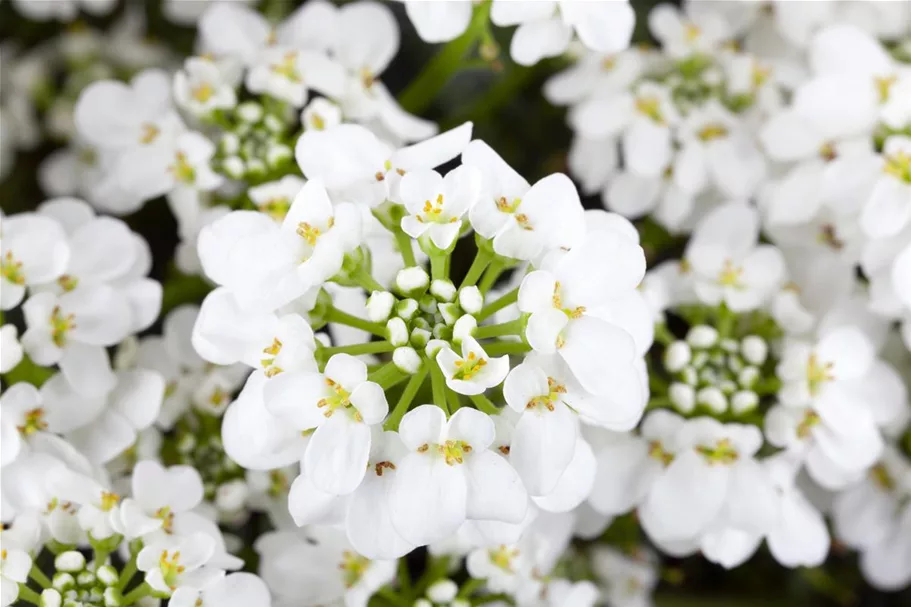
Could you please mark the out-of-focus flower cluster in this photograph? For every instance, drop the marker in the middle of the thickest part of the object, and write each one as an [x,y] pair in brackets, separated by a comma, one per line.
[400,343]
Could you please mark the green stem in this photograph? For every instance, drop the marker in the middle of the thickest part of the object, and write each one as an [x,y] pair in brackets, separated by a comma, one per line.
[469,587]
[373,347]
[513,327]
[128,572]
[403,241]
[137,593]
[29,595]
[411,389]
[366,281]
[423,89]
[402,574]
[498,304]
[392,597]
[726,321]
[493,272]
[659,402]
[484,405]
[453,401]
[36,574]
[343,318]
[438,269]
[387,376]
[506,347]
[663,335]
[480,263]
[438,384]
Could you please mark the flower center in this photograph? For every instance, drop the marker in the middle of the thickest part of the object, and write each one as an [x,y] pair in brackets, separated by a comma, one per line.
[557,300]
[818,373]
[547,400]
[11,269]
[276,208]
[167,518]
[269,363]
[150,133]
[182,170]
[288,68]
[722,453]
[469,367]
[170,567]
[433,212]
[691,32]
[339,399]
[712,131]
[278,483]
[380,467]
[882,478]
[828,152]
[650,106]
[67,282]
[311,233]
[829,237]
[109,500]
[899,166]
[454,451]
[884,86]
[353,567]
[502,557]
[60,326]
[730,275]
[656,451]
[33,422]
[809,421]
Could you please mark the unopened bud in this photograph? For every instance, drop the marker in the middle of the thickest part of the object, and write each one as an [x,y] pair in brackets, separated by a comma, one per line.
[748,376]
[233,167]
[443,290]
[754,349]
[379,305]
[411,280]
[420,337]
[407,360]
[464,327]
[107,575]
[713,398]
[70,561]
[250,111]
[278,154]
[744,401]
[677,356]
[406,308]
[231,497]
[433,346]
[51,598]
[229,144]
[471,299]
[683,397]
[442,591]
[450,312]
[702,336]
[397,332]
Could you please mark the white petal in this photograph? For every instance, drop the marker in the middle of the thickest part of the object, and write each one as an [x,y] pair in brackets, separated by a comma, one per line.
[336,458]
[495,491]
[542,447]
[427,499]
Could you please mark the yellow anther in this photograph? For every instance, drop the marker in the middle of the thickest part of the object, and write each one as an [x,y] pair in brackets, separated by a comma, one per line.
[183,171]
[730,275]
[317,122]
[288,68]
[502,557]
[810,420]
[109,500]
[608,63]
[454,451]
[203,92]
[691,32]
[828,152]
[60,326]
[712,131]
[650,106]
[818,373]
[656,451]
[67,282]
[150,133]
[469,367]
[722,453]
[308,232]
[33,422]
[167,518]
[274,348]
[11,269]
[829,237]
[353,567]
[899,166]
[881,477]
[522,220]
[381,466]
[884,86]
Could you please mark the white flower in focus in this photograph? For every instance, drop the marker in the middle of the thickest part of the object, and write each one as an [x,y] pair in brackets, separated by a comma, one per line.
[160,496]
[178,562]
[341,405]
[473,372]
[436,204]
[233,590]
[450,476]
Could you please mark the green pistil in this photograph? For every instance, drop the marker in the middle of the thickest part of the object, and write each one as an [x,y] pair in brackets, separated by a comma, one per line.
[722,453]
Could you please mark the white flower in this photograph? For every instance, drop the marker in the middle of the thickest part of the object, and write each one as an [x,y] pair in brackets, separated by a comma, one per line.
[712,473]
[365,512]
[287,74]
[888,210]
[545,28]
[727,264]
[177,562]
[63,10]
[561,298]
[523,221]
[10,348]
[439,21]
[135,125]
[205,85]
[103,425]
[326,571]
[473,372]
[160,496]
[98,505]
[33,251]
[320,114]
[436,204]
[820,413]
[233,590]
[266,265]
[14,567]
[342,406]
[449,475]
[692,32]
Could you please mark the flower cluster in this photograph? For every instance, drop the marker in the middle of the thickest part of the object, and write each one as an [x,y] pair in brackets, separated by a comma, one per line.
[374,363]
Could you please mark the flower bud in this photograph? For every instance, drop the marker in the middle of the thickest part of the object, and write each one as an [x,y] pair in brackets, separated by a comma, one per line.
[278,154]
[85,579]
[713,398]
[250,111]
[407,360]
[406,308]
[744,401]
[63,581]
[273,123]
[443,290]
[450,312]
[107,575]
[464,327]
[231,497]
[748,376]
[51,598]
[112,597]
[677,356]
[412,280]
[428,304]
[443,591]
[433,346]
[379,305]
[229,144]
[420,337]
[423,603]
[702,336]
[682,396]
[729,345]
[754,349]
[689,375]
[397,332]
[70,561]
[233,167]
[471,299]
